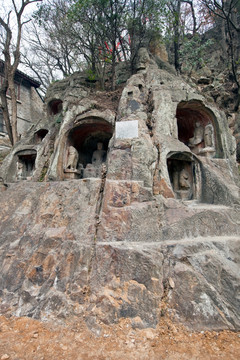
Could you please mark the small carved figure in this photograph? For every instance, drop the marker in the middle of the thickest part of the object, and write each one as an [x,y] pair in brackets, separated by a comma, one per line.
[99,155]
[184,183]
[72,159]
[198,134]
[19,174]
[208,136]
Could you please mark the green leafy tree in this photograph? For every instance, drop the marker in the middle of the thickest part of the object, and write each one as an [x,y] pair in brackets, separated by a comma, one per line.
[99,33]
[106,18]
[192,53]
[185,21]
[145,21]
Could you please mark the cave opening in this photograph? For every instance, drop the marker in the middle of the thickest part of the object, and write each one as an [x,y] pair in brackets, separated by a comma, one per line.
[90,140]
[197,128]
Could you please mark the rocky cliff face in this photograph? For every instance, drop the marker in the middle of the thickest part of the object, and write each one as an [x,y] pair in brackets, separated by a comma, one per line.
[127,212]
[215,80]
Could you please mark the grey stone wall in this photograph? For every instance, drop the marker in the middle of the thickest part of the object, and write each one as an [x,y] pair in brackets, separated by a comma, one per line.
[29,107]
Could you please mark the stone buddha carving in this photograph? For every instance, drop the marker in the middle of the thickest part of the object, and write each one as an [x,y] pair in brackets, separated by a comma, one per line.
[184,182]
[209,149]
[19,174]
[98,158]
[72,158]
[99,155]
[208,136]
[198,135]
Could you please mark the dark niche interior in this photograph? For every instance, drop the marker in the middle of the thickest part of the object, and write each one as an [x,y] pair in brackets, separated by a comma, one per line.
[40,135]
[181,171]
[55,107]
[85,139]
[195,120]
[25,164]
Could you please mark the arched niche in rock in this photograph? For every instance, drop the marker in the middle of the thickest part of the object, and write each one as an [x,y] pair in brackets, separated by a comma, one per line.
[198,129]
[40,135]
[55,106]
[185,175]
[24,164]
[86,148]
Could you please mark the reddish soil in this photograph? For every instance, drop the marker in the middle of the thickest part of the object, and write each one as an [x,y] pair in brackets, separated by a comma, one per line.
[27,339]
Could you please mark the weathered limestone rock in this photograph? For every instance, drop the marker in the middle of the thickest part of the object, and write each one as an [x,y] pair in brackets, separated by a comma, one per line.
[54,266]
[150,220]
[206,278]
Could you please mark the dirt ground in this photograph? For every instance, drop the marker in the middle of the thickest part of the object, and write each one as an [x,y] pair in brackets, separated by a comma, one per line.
[27,339]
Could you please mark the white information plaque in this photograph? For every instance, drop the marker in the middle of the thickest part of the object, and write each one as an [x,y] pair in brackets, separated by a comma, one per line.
[126,129]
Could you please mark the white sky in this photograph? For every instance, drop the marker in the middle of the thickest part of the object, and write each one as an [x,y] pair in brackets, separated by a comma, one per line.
[6,6]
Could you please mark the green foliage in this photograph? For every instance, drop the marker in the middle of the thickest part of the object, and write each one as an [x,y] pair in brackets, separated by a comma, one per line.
[110,21]
[59,119]
[192,53]
[43,173]
[91,75]
[96,33]
[238,61]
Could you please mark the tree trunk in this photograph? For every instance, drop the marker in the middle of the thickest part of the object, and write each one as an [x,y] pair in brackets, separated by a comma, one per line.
[113,77]
[177,36]
[14,110]
[6,116]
